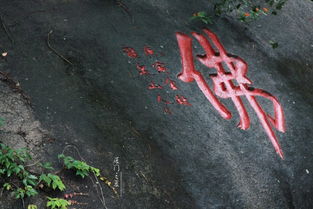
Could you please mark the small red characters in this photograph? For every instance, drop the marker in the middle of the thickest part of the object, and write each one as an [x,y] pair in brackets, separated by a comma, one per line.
[148,51]
[159,66]
[152,85]
[142,69]
[171,83]
[182,100]
[130,52]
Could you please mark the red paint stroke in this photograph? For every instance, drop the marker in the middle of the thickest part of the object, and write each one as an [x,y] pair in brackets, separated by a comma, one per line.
[182,100]
[142,69]
[159,66]
[130,52]
[171,83]
[160,99]
[152,85]
[148,51]
[223,85]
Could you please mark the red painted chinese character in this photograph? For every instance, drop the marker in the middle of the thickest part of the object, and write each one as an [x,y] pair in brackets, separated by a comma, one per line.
[152,85]
[130,52]
[142,69]
[223,85]
[171,83]
[148,50]
[159,66]
[182,100]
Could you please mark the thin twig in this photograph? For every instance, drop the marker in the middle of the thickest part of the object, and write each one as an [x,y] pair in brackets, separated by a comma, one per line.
[125,9]
[6,30]
[101,192]
[55,51]
[1,193]
[33,164]
[23,203]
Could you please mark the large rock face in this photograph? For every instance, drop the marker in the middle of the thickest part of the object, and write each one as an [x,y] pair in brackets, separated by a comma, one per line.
[192,158]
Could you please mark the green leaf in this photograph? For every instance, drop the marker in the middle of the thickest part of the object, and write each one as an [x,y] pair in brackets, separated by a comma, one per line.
[31,207]
[9,172]
[82,168]
[32,177]
[30,191]
[81,173]
[19,193]
[47,165]
[53,181]
[2,171]
[201,14]
[46,179]
[96,171]
[24,181]
[57,203]
[7,186]
[61,156]
[31,182]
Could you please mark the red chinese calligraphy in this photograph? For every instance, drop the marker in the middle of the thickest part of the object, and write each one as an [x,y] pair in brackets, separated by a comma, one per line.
[171,83]
[182,100]
[142,69]
[223,85]
[159,66]
[152,85]
[130,52]
[148,50]
[160,99]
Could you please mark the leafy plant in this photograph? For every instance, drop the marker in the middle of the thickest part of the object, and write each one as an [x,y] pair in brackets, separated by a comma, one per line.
[57,203]
[12,169]
[22,183]
[244,10]
[82,169]
[53,181]
[28,191]
[248,10]
[11,165]
[11,160]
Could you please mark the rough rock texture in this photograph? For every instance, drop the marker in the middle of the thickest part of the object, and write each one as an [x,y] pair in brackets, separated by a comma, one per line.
[20,129]
[193,158]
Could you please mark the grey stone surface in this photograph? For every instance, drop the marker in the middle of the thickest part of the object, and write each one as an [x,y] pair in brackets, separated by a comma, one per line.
[193,158]
[20,128]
